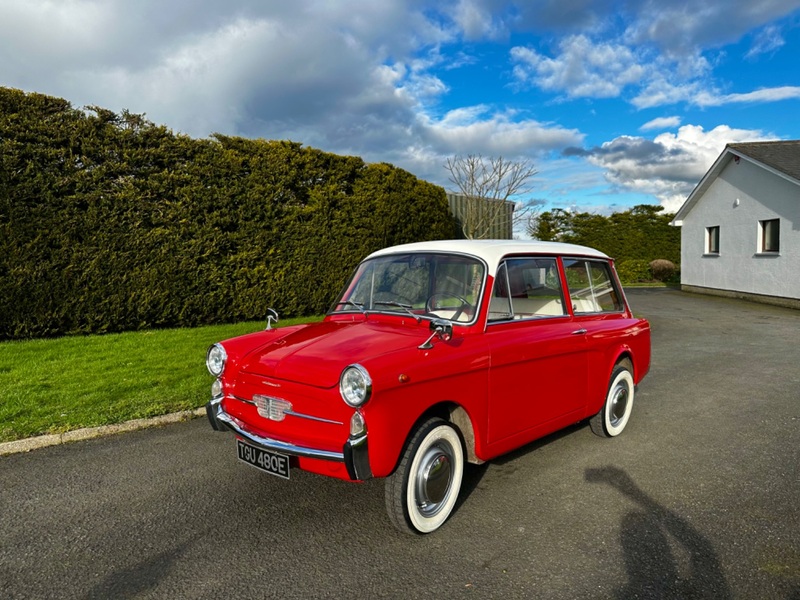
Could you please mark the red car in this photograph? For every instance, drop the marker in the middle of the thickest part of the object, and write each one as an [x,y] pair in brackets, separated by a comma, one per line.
[436,354]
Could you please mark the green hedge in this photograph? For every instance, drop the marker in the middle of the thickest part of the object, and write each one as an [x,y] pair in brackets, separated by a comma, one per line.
[634,270]
[111,223]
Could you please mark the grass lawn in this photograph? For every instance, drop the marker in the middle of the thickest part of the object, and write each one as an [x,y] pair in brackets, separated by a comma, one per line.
[53,386]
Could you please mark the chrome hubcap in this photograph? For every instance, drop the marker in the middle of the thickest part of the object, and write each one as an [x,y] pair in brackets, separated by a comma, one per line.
[433,478]
[619,404]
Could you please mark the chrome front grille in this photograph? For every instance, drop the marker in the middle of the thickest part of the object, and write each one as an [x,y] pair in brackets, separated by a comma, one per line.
[271,408]
[277,409]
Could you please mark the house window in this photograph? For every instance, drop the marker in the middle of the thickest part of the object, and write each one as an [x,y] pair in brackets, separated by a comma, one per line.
[770,233]
[712,240]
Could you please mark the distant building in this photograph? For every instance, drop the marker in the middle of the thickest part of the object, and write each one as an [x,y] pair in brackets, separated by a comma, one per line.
[740,227]
[483,218]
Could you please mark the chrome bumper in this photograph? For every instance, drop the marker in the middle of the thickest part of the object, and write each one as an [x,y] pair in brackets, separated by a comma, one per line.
[354,454]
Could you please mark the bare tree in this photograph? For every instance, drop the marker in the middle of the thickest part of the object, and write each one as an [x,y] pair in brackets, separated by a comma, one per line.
[488,186]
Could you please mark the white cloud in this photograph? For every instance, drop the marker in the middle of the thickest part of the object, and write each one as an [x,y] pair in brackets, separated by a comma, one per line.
[478,130]
[41,37]
[757,96]
[223,59]
[238,74]
[767,41]
[664,54]
[680,28]
[676,27]
[660,92]
[668,166]
[584,68]
[581,69]
[477,21]
[473,131]
[661,123]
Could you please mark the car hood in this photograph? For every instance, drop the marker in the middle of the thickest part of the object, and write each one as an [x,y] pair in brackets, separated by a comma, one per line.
[317,354]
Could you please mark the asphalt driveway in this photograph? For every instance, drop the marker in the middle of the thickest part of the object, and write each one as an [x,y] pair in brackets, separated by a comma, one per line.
[699,498]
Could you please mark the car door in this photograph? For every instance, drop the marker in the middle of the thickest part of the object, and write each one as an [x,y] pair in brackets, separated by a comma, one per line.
[598,304]
[538,354]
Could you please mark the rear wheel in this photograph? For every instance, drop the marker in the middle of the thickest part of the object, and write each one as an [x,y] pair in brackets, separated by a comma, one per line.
[616,411]
[423,490]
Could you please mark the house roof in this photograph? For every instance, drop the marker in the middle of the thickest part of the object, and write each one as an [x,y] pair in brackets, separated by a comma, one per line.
[780,157]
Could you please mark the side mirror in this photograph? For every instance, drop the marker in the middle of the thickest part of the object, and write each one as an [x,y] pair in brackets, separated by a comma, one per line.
[272,317]
[441,328]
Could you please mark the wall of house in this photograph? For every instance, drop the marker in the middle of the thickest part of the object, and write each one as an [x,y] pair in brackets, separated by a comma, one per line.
[736,201]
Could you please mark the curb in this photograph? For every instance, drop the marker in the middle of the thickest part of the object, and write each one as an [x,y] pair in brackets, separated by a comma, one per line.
[88,433]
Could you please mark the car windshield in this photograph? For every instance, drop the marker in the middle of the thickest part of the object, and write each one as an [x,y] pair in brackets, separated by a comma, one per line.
[435,285]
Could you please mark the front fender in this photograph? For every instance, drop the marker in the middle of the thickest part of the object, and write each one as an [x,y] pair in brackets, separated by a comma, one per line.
[394,410]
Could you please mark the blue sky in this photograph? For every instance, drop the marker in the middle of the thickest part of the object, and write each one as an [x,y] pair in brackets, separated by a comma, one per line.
[617,103]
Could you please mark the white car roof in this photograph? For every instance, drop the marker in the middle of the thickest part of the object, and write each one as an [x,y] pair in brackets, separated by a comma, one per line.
[493,251]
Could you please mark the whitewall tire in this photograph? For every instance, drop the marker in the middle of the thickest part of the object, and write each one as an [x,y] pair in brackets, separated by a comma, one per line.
[613,417]
[422,492]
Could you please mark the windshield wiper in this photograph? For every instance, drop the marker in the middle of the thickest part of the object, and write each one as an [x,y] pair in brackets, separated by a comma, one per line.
[405,307]
[358,305]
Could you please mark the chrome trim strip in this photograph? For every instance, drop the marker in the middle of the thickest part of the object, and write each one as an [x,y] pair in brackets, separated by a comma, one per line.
[312,418]
[293,413]
[276,445]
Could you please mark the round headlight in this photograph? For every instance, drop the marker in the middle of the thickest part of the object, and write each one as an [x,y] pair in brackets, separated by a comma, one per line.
[215,360]
[355,385]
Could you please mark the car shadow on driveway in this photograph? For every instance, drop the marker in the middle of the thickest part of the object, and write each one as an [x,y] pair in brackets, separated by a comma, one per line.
[645,534]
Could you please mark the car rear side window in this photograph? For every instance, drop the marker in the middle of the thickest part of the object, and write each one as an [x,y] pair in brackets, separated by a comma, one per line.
[591,286]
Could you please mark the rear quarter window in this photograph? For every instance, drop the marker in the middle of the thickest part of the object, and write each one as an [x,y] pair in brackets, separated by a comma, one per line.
[591,286]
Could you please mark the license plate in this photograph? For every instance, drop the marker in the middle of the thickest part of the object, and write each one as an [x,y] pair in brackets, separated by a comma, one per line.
[271,462]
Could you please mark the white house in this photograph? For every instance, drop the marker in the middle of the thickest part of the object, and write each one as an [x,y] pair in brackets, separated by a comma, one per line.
[740,227]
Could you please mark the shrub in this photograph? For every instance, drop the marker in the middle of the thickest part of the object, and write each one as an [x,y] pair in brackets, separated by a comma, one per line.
[662,270]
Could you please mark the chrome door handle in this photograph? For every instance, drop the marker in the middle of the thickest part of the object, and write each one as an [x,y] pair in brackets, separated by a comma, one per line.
[579,332]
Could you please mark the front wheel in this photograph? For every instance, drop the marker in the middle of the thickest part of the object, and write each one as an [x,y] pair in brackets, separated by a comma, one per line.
[616,411]
[423,490]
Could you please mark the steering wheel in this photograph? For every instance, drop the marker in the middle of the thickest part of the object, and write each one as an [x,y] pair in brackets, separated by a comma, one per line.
[430,304]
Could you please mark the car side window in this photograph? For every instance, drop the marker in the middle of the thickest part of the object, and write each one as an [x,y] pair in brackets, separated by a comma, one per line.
[591,286]
[527,288]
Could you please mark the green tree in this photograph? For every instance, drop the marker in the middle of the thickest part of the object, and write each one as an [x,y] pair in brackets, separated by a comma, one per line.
[642,233]
[551,226]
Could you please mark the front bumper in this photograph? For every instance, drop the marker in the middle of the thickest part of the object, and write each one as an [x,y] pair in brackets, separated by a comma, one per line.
[354,454]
